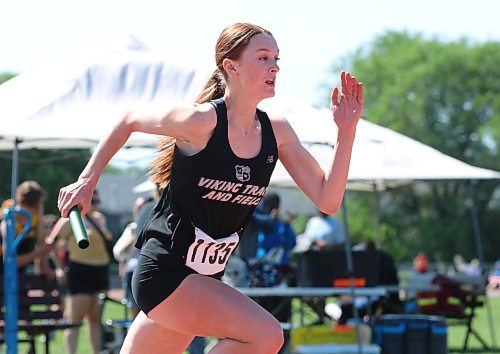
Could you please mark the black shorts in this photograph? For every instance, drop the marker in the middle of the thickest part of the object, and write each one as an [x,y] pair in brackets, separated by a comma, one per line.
[87,279]
[154,281]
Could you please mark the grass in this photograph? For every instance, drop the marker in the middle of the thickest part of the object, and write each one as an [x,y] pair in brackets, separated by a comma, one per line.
[456,334]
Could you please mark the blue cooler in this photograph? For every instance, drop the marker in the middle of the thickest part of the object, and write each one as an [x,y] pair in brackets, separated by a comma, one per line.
[411,334]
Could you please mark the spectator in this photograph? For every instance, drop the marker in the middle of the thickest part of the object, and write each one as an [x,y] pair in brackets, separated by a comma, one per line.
[86,275]
[260,221]
[474,267]
[459,263]
[323,232]
[146,209]
[48,223]
[281,238]
[7,203]
[32,251]
[127,255]
[421,263]
[271,266]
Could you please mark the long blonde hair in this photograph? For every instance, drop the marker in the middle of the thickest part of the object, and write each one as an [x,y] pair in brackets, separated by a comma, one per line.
[231,43]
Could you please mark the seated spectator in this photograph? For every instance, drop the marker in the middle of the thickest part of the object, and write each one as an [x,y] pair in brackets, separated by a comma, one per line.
[323,232]
[279,239]
[260,221]
[459,264]
[474,267]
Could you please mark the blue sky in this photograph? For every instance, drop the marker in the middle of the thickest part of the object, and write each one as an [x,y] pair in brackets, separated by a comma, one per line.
[311,34]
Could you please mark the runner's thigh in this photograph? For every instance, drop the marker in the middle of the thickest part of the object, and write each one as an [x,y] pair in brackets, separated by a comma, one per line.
[146,336]
[205,306]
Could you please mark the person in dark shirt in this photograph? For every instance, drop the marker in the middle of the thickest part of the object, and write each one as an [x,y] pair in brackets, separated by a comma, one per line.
[279,237]
[260,221]
[215,165]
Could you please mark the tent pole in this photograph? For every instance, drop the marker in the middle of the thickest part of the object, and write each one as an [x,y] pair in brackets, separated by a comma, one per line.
[475,223]
[350,271]
[376,202]
[480,253]
[15,162]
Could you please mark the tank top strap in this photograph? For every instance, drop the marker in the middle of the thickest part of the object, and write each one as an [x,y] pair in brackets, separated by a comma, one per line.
[221,130]
[220,109]
[268,137]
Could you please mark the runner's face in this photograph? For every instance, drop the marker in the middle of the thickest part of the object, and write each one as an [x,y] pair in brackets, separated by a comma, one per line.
[258,66]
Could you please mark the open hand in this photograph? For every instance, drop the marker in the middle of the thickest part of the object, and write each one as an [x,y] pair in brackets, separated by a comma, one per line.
[347,111]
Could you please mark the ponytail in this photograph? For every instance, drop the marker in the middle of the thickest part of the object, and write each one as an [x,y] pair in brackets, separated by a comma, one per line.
[213,89]
[161,167]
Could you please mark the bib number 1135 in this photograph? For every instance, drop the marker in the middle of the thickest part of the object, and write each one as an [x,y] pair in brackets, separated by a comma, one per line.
[209,256]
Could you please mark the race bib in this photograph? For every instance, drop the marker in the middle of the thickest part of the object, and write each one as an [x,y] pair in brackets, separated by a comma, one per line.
[208,256]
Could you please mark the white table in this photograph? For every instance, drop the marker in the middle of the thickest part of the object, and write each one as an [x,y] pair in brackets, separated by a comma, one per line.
[289,293]
[337,349]
[301,292]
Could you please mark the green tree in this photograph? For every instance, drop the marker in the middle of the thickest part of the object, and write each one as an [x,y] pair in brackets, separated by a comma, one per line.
[444,94]
[53,169]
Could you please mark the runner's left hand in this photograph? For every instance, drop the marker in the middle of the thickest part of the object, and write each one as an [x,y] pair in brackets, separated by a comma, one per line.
[347,111]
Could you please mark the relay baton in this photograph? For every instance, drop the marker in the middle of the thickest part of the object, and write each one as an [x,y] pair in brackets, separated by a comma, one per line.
[75,219]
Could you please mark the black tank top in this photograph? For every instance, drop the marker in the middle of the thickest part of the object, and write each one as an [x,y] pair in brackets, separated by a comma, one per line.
[213,190]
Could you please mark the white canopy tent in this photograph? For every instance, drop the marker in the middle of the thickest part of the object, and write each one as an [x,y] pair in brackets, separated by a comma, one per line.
[72,102]
[381,157]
